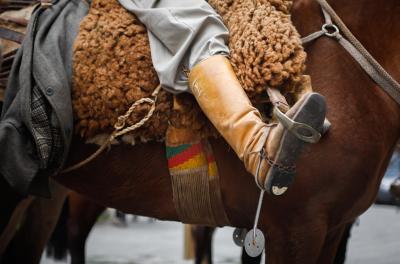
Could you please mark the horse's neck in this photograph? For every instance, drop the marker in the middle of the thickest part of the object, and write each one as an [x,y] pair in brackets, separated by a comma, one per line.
[374,23]
[377,25]
[337,76]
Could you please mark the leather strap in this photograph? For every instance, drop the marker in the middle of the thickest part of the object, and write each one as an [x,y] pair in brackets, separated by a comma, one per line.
[355,49]
[277,99]
[12,35]
[8,59]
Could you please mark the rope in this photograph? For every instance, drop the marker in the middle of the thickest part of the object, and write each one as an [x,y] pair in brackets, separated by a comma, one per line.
[120,128]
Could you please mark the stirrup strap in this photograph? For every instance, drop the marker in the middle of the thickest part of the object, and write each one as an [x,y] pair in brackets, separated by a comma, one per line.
[277,99]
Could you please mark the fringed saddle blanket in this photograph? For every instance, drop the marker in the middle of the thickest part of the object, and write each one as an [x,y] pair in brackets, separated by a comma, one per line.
[113,67]
[195,184]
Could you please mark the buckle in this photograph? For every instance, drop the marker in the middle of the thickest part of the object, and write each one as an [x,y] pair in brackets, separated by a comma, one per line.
[302,131]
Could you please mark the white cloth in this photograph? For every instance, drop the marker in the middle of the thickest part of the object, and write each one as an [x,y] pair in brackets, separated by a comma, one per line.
[182,33]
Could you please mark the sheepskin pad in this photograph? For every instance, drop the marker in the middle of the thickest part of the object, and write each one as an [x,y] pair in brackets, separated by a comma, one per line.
[113,68]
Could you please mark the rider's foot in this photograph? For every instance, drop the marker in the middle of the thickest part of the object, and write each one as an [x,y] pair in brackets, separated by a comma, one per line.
[270,150]
[300,125]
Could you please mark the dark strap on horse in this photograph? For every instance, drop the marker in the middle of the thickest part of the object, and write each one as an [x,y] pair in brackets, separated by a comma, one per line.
[12,35]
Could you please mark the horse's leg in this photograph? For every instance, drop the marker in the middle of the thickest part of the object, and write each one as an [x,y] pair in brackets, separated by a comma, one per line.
[334,250]
[120,218]
[83,214]
[202,236]
[8,203]
[295,242]
[342,248]
[39,223]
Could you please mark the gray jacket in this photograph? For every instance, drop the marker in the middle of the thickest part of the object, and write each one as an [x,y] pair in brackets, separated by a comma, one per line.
[36,121]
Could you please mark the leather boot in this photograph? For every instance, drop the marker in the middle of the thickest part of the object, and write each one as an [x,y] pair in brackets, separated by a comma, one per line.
[269,151]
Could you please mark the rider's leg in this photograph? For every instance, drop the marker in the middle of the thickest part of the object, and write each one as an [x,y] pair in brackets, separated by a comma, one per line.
[189,34]
[273,147]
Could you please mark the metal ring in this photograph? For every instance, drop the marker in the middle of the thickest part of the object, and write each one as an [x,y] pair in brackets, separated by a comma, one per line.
[330,30]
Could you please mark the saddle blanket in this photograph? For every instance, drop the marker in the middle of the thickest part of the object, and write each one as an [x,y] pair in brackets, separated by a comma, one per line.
[113,67]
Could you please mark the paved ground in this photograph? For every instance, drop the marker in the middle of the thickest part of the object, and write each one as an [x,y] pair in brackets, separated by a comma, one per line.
[376,240]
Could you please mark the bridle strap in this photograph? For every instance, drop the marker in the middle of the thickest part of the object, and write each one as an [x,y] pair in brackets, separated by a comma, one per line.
[356,50]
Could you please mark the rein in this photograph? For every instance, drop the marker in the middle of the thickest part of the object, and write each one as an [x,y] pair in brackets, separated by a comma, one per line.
[355,49]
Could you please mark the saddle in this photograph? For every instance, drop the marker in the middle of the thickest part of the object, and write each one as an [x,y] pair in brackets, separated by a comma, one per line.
[113,68]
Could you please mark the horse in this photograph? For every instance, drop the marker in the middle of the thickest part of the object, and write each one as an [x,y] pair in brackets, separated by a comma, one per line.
[337,179]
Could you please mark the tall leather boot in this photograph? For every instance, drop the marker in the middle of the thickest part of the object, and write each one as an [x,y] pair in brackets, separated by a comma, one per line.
[269,151]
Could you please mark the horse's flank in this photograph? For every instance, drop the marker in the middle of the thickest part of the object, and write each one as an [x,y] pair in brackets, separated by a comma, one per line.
[337,179]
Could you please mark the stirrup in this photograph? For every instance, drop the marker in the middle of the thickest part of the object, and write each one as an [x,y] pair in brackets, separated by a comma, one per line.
[302,131]
[298,130]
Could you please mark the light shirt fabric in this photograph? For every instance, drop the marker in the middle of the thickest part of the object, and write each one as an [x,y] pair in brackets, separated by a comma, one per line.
[181,33]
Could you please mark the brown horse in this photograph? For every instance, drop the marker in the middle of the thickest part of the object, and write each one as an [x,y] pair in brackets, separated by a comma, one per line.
[337,179]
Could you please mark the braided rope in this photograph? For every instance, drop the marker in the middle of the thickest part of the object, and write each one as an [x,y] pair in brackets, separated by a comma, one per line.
[119,128]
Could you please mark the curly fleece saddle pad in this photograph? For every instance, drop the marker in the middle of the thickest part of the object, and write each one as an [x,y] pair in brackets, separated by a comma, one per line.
[113,68]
